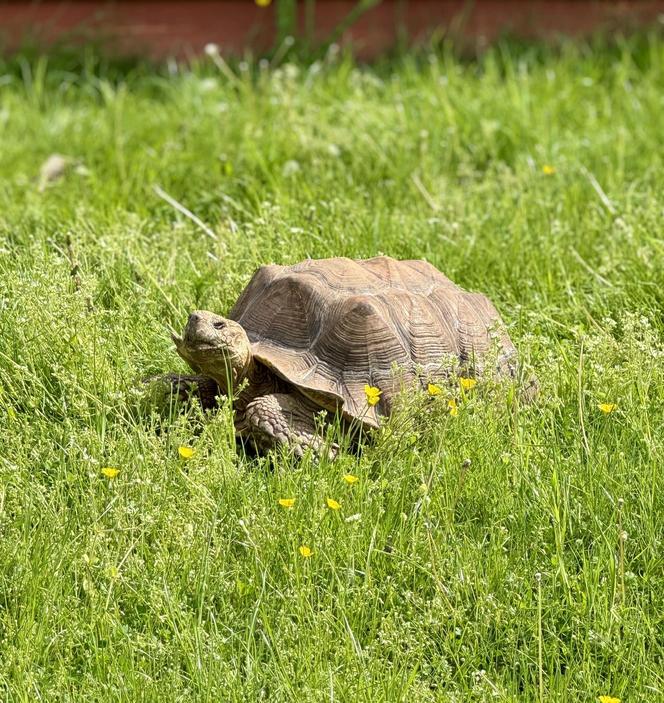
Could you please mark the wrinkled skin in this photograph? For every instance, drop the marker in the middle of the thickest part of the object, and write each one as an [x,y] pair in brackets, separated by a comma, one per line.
[216,347]
[268,410]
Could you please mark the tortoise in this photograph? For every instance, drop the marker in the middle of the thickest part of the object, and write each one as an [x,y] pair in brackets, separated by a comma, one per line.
[317,335]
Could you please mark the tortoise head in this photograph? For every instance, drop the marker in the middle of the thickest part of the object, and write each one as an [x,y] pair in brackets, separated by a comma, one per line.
[215,346]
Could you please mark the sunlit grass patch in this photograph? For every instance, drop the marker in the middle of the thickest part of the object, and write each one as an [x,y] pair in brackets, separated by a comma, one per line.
[474,548]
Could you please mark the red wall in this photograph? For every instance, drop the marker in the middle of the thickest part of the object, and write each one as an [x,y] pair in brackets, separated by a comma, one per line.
[184,27]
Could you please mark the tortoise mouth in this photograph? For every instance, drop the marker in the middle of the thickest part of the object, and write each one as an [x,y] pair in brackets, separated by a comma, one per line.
[196,349]
[205,358]
[191,343]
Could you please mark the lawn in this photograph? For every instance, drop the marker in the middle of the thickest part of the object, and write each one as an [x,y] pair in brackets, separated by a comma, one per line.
[508,553]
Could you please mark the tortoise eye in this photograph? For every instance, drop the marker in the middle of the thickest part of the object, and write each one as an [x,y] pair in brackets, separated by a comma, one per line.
[219,325]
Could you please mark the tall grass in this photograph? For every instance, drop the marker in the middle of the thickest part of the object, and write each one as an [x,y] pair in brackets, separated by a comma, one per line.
[508,553]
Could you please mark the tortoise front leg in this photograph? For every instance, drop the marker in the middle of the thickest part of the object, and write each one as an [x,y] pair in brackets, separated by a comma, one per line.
[185,386]
[284,418]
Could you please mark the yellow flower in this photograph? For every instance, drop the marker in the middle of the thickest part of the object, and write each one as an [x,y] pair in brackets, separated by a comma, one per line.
[452,405]
[305,551]
[548,170]
[608,699]
[186,452]
[607,407]
[467,383]
[433,389]
[286,502]
[110,472]
[350,479]
[332,504]
[373,394]
[263,3]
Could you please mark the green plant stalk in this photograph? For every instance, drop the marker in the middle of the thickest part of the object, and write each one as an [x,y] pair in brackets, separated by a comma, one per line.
[286,19]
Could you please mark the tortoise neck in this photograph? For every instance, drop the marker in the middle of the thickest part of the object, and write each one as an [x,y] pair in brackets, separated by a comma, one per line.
[257,381]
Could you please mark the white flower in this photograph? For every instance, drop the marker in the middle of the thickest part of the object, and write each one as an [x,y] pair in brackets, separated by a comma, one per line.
[290,168]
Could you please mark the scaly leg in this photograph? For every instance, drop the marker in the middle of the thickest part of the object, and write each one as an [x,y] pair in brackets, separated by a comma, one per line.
[185,386]
[283,418]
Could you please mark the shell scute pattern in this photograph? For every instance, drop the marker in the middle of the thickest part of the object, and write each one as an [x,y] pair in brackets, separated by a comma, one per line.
[331,326]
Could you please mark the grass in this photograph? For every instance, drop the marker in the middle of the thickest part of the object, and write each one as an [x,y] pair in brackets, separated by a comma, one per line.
[508,553]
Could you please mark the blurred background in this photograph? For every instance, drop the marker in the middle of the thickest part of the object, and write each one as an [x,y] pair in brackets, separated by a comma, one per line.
[181,28]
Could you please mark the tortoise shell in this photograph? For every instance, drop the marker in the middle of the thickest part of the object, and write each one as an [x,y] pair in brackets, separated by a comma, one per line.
[332,326]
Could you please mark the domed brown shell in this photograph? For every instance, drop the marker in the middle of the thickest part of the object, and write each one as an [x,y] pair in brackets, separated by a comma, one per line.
[332,326]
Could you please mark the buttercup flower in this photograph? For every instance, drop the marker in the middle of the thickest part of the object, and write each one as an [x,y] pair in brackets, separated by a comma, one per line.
[548,170]
[608,699]
[607,408]
[332,504]
[373,394]
[110,472]
[467,383]
[186,452]
[434,389]
[454,408]
[305,551]
[263,3]
[286,502]
[350,479]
